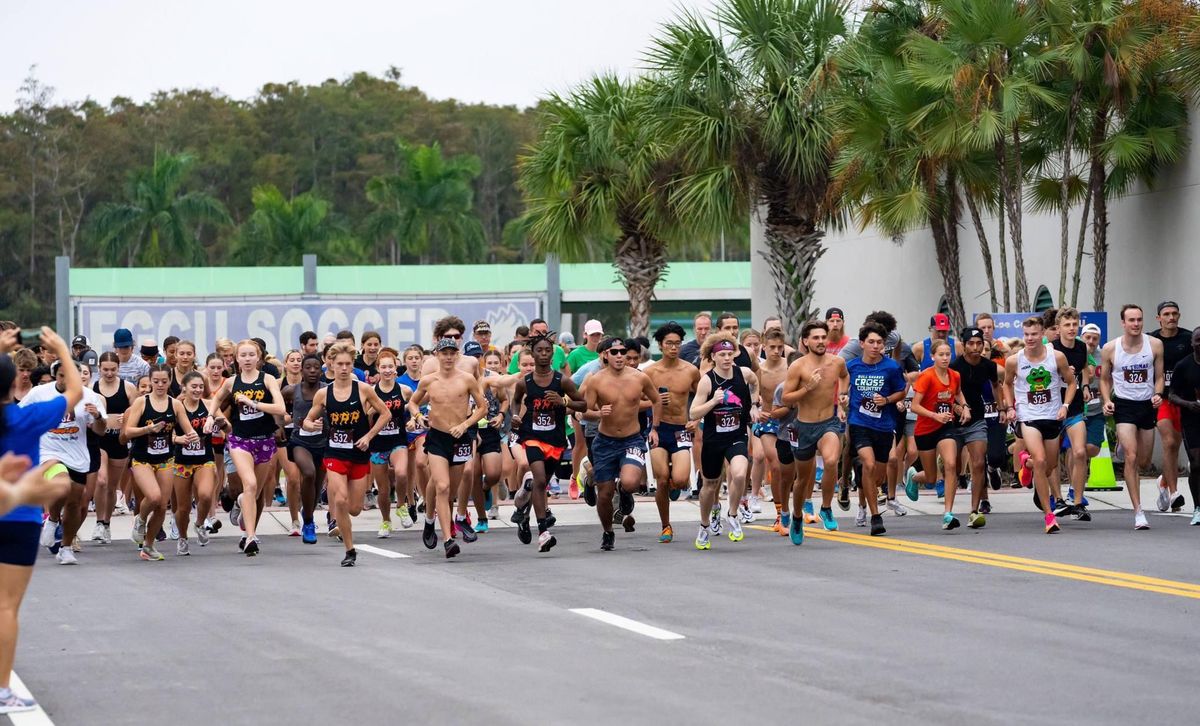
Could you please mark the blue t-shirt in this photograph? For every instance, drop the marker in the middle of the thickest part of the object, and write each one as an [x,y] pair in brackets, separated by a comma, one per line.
[23,429]
[866,380]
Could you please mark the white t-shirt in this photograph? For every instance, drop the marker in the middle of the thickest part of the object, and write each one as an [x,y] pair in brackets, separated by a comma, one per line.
[67,442]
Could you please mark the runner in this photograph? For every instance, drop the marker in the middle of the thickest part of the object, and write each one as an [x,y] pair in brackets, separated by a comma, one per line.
[291,365]
[150,424]
[389,449]
[1041,384]
[195,472]
[183,353]
[1185,387]
[541,402]
[876,386]
[771,373]
[725,397]
[937,399]
[671,457]
[449,390]
[309,345]
[1094,408]
[939,329]
[1075,425]
[114,453]
[618,454]
[131,367]
[836,320]
[813,384]
[980,381]
[345,408]
[701,327]
[255,400]
[1131,386]
[306,448]
[1176,346]
[368,360]
[493,436]
[214,378]
[414,358]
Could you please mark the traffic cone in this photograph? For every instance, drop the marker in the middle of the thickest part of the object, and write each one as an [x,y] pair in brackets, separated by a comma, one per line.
[1101,476]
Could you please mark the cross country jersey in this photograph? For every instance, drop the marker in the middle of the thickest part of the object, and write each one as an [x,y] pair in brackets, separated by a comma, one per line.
[155,448]
[201,451]
[1175,349]
[346,422]
[1037,387]
[300,408]
[542,421]
[67,441]
[247,421]
[866,379]
[1133,373]
[393,434]
[726,423]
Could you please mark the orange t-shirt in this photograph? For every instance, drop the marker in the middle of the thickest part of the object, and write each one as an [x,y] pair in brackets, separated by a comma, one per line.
[935,396]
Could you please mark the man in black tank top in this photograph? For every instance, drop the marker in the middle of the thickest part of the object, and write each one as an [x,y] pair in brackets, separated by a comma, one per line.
[1075,424]
[1176,342]
[541,400]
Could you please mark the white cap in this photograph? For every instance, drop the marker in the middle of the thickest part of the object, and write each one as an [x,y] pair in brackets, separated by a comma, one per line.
[1090,328]
[592,327]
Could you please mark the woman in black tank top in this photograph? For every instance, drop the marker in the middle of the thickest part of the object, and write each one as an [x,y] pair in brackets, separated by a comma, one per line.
[306,449]
[254,400]
[389,450]
[114,457]
[346,405]
[195,472]
[150,423]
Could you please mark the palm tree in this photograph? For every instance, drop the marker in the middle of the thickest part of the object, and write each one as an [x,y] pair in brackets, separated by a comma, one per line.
[746,110]
[281,231]
[594,178]
[158,222]
[425,208]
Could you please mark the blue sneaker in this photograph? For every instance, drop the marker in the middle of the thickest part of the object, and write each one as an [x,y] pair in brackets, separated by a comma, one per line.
[487,499]
[58,534]
[827,520]
[910,485]
[808,508]
[785,519]
[308,533]
[482,526]
[796,531]
[940,488]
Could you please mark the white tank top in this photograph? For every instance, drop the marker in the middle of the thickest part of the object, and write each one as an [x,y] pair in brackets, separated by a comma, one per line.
[1037,387]
[1133,373]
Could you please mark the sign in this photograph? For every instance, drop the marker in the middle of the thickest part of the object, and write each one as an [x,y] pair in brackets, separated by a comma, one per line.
[281,321]
[1008,325]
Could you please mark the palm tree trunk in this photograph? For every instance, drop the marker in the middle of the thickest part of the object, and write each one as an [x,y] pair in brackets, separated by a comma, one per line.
[1064,194]
[943,221]
[641,261]
[1083,227]
[984,250]
[791,254]
[1000,235]
[1097,179]
[1013,203]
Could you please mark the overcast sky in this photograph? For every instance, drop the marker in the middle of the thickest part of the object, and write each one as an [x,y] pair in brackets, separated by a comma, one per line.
[501,52]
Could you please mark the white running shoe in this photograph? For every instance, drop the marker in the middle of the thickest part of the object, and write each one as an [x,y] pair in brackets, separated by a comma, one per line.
[405,520]
[66,557]
[385,530]
[46,538]
[897,508]
[744,514]
[181,548]
[201,536]
[735,529]
[235,516]
[120,508]
[98,532]
[860,519]
[702,541]
[714,520]
[138,535]
[76,545]
[1139,520]
[755,504]
[1196,517]
[171,525]
[106,536]
[1164,496]
[493,513]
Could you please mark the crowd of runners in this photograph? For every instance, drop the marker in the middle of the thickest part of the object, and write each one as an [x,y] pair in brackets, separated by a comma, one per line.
[439,436]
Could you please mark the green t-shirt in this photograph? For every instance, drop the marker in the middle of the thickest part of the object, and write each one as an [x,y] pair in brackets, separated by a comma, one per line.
[560,358]
[581,356]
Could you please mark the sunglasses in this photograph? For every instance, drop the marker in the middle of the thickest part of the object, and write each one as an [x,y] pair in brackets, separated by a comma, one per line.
[453,336]
[616,351]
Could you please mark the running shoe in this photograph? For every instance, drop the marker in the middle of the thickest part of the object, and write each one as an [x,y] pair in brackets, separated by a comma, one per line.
[12,703]
[910,484]
[939,489]
[467,531]
[667,534]
[607,541]
[1071,496]
[308,533]
[66,557]
[809,516]
[452,548]
[161,536]
[524,533]
[1196,517]
[1051,524]
[1164,496]
[150,554]
[778,527]
[46,538]
[372,501]
[428,536]
[735,530]
[106,537]
[385,530]
[877,527]
[573,488]
[1081,514]
[785,521]
[546,541]
[755,504]
[335,531]
[843,497]
[976,520]
[295,531]
[412,513]
[405,520]
[949,521]
[171,526]
[351,558]
[181,548]
[493,513]
[1064,509]
[714,520]
[242,544]
[860,519]
[993,477]
[98,532]
[487,499]
[827,520]
[251,547]
[1177,502]
[120,509]
[626,501]
[76,545]
[745,514]
[202,536]
[138,535]
[235,516]
[1139,520]
[896,508]
[550,519]
[627,522]
[796,531]
[673,493]
[985,506]
[702,542]
[482,526]
[213,524]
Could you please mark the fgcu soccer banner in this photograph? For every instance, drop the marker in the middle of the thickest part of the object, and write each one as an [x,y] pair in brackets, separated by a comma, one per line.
[280,322]
[1008,325]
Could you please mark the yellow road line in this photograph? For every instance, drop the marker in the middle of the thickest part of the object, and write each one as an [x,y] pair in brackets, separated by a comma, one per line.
[992,559]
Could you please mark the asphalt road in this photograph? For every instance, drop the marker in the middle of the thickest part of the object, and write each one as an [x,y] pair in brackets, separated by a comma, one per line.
[846,629]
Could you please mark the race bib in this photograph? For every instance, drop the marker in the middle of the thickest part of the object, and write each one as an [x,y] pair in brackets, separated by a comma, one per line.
[1167,377]
[868,407]
[512,439]
[543,422]
[683,439]
[462,452]
[248,413]
[158,445]
[1135,375]
[390,429]
[989,410]
[1038,398]
[194,448]
[943,408]
[636,455]
[340,439]
[728,422]
[793,436]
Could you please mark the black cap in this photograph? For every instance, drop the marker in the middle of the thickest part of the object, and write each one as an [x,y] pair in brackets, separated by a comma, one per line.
[971,332]
[1167,304]
[445,344]
[79,341]
[835,311]
[473,349]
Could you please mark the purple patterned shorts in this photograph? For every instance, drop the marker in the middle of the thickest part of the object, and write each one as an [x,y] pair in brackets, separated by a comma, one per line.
[261,448]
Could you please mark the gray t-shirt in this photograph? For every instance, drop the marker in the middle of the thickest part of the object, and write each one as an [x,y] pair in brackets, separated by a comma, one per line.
[133,369]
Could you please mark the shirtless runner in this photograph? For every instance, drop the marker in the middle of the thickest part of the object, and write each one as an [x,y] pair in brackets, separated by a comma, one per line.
[675,379]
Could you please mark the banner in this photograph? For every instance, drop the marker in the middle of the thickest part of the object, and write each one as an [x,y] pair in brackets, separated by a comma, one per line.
[1008,325]
[280,322]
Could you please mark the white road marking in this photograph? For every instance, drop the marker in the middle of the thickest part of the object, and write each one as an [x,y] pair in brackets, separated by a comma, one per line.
[382,552]
[36,717]
[621,622]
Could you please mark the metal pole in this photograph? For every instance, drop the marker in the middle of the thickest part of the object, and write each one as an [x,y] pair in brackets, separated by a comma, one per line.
[62,297]
[553,293]
[310,275]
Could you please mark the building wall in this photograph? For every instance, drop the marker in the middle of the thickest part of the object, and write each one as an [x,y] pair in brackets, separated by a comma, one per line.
[1154,254]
